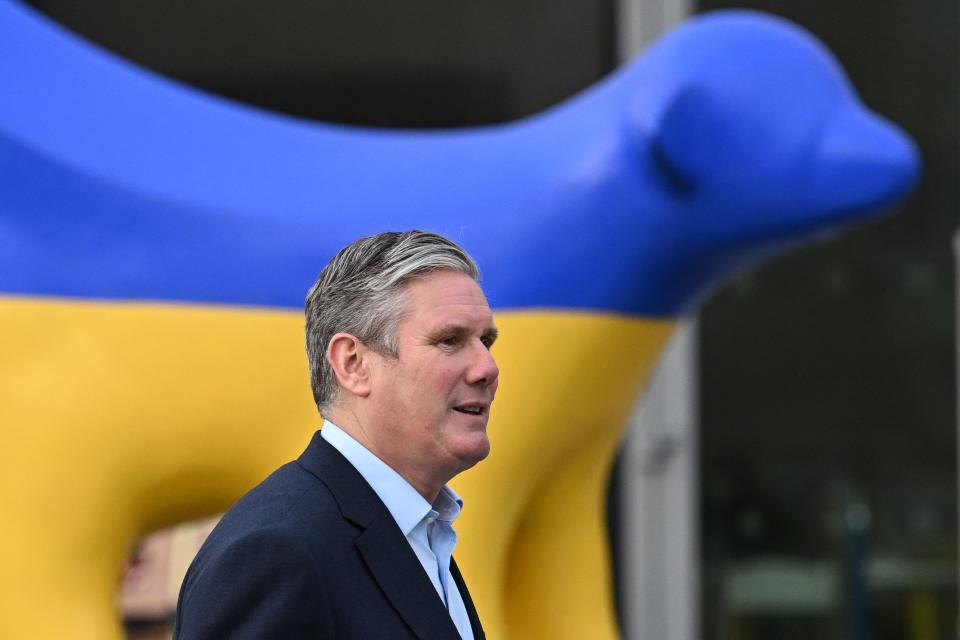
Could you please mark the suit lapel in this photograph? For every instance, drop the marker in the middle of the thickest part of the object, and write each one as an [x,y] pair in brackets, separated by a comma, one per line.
[401,577]
[381,544]
[467,601]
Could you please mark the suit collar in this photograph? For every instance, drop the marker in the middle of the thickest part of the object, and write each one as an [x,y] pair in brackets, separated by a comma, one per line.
[357,501]
[383,546]
[404,503]
[398,572]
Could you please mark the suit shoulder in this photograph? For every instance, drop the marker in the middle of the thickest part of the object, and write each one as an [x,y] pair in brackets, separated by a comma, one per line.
[273,546]
[290,514]
[289,498]
[261,582]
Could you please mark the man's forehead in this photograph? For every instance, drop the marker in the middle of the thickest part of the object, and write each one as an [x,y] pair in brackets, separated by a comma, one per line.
[446,292]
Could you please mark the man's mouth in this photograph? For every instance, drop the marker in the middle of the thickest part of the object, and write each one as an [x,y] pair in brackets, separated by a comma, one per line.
[471,409]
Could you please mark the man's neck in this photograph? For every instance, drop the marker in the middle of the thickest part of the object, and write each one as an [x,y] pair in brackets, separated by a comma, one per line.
[354,426]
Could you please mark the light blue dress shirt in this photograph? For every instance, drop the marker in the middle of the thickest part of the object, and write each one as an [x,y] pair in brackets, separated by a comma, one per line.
[428,528]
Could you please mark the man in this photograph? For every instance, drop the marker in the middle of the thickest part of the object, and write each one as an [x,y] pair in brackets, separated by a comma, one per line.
[353,539]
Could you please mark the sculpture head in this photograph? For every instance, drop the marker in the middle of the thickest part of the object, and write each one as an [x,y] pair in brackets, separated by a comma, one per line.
[750,138]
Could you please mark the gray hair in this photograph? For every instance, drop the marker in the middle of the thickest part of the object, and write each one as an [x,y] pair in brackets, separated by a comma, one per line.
[360,292]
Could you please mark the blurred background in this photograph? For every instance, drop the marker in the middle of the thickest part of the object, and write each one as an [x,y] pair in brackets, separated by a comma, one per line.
[795,475]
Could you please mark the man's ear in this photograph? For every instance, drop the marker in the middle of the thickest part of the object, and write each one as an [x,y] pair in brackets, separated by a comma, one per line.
[349,359]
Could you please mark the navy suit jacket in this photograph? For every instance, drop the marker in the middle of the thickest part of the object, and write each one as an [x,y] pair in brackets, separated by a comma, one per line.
[312,552]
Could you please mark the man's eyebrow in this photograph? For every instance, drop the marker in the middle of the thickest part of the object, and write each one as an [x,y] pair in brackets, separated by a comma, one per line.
[459,330]
[448,329]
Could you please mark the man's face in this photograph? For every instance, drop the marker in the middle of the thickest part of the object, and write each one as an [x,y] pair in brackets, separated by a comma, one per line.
[431,403]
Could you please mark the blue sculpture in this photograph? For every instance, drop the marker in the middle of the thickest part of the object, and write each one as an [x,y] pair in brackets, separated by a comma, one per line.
[201,190]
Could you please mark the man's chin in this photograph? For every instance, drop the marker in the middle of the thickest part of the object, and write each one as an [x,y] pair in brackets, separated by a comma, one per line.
[473,451]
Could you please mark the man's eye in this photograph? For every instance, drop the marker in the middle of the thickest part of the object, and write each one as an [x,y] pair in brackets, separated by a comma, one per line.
[449,341]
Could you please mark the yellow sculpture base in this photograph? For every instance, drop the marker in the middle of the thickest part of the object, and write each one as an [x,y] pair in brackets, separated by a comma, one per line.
[122,418]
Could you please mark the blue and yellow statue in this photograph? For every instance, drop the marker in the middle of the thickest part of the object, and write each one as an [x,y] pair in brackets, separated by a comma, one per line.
[156,244]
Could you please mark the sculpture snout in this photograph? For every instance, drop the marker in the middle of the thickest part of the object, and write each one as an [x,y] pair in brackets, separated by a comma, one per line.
[862,162]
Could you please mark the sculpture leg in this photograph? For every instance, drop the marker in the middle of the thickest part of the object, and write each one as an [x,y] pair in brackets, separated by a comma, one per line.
[561,585]
[122,418]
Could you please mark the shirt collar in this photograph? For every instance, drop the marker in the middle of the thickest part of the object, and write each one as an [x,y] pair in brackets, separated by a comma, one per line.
[447,505]
[403,502]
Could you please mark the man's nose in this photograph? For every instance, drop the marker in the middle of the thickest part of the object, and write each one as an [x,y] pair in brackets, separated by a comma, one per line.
[484,368]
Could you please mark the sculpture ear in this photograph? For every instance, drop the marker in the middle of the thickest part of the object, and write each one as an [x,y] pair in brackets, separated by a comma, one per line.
[687,141]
